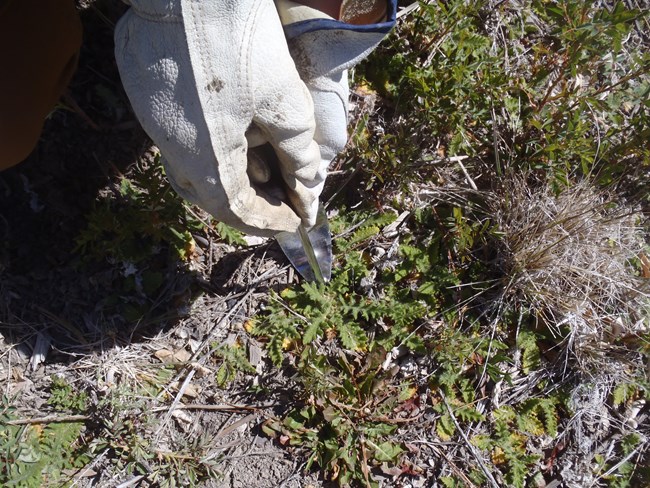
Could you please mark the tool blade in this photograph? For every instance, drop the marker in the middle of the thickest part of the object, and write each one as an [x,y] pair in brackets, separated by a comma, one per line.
[310,252]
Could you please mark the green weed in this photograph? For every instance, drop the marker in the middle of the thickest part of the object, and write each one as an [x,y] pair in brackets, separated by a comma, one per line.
[544,86]
[144,231]
[65,398]
[338,339]
[233,359]
[48,454]
[144,217]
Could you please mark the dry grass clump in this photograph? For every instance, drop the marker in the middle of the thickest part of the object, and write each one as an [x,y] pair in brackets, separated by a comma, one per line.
[569,258]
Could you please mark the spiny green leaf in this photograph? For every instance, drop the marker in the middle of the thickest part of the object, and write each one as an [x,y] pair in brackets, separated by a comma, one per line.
[504,414]
[352,336]
[530,358]
[387,451]
[229,234]
[517,471]
[530,423]
[531,410]
[445,427]
[482,441]
[376,430]
[222,377]
[623,392]
[312,330]
[275,349]
[468,414]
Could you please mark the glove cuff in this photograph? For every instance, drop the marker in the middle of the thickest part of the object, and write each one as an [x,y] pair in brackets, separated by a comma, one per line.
[298,19]
[323,46]
[157,10]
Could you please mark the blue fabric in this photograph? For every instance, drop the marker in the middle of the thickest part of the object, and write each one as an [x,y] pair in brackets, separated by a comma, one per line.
[299,28]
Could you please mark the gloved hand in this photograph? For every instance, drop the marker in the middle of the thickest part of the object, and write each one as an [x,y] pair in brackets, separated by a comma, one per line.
[199,74]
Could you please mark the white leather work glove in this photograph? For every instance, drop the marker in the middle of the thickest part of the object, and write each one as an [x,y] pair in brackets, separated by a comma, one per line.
[198,74]
[324,48]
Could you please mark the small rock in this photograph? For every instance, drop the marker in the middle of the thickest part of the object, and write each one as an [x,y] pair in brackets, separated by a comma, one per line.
[182,415]
[201,371]
[254,240]
[191,391]
[182,333]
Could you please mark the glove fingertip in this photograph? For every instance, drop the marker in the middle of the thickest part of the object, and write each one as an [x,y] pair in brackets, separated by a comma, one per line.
[311,214]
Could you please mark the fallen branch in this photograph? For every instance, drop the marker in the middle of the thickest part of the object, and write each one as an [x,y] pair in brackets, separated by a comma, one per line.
[49,419]
[218,408]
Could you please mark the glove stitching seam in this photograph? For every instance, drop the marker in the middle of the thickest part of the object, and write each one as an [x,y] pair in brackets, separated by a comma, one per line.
[247,104]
